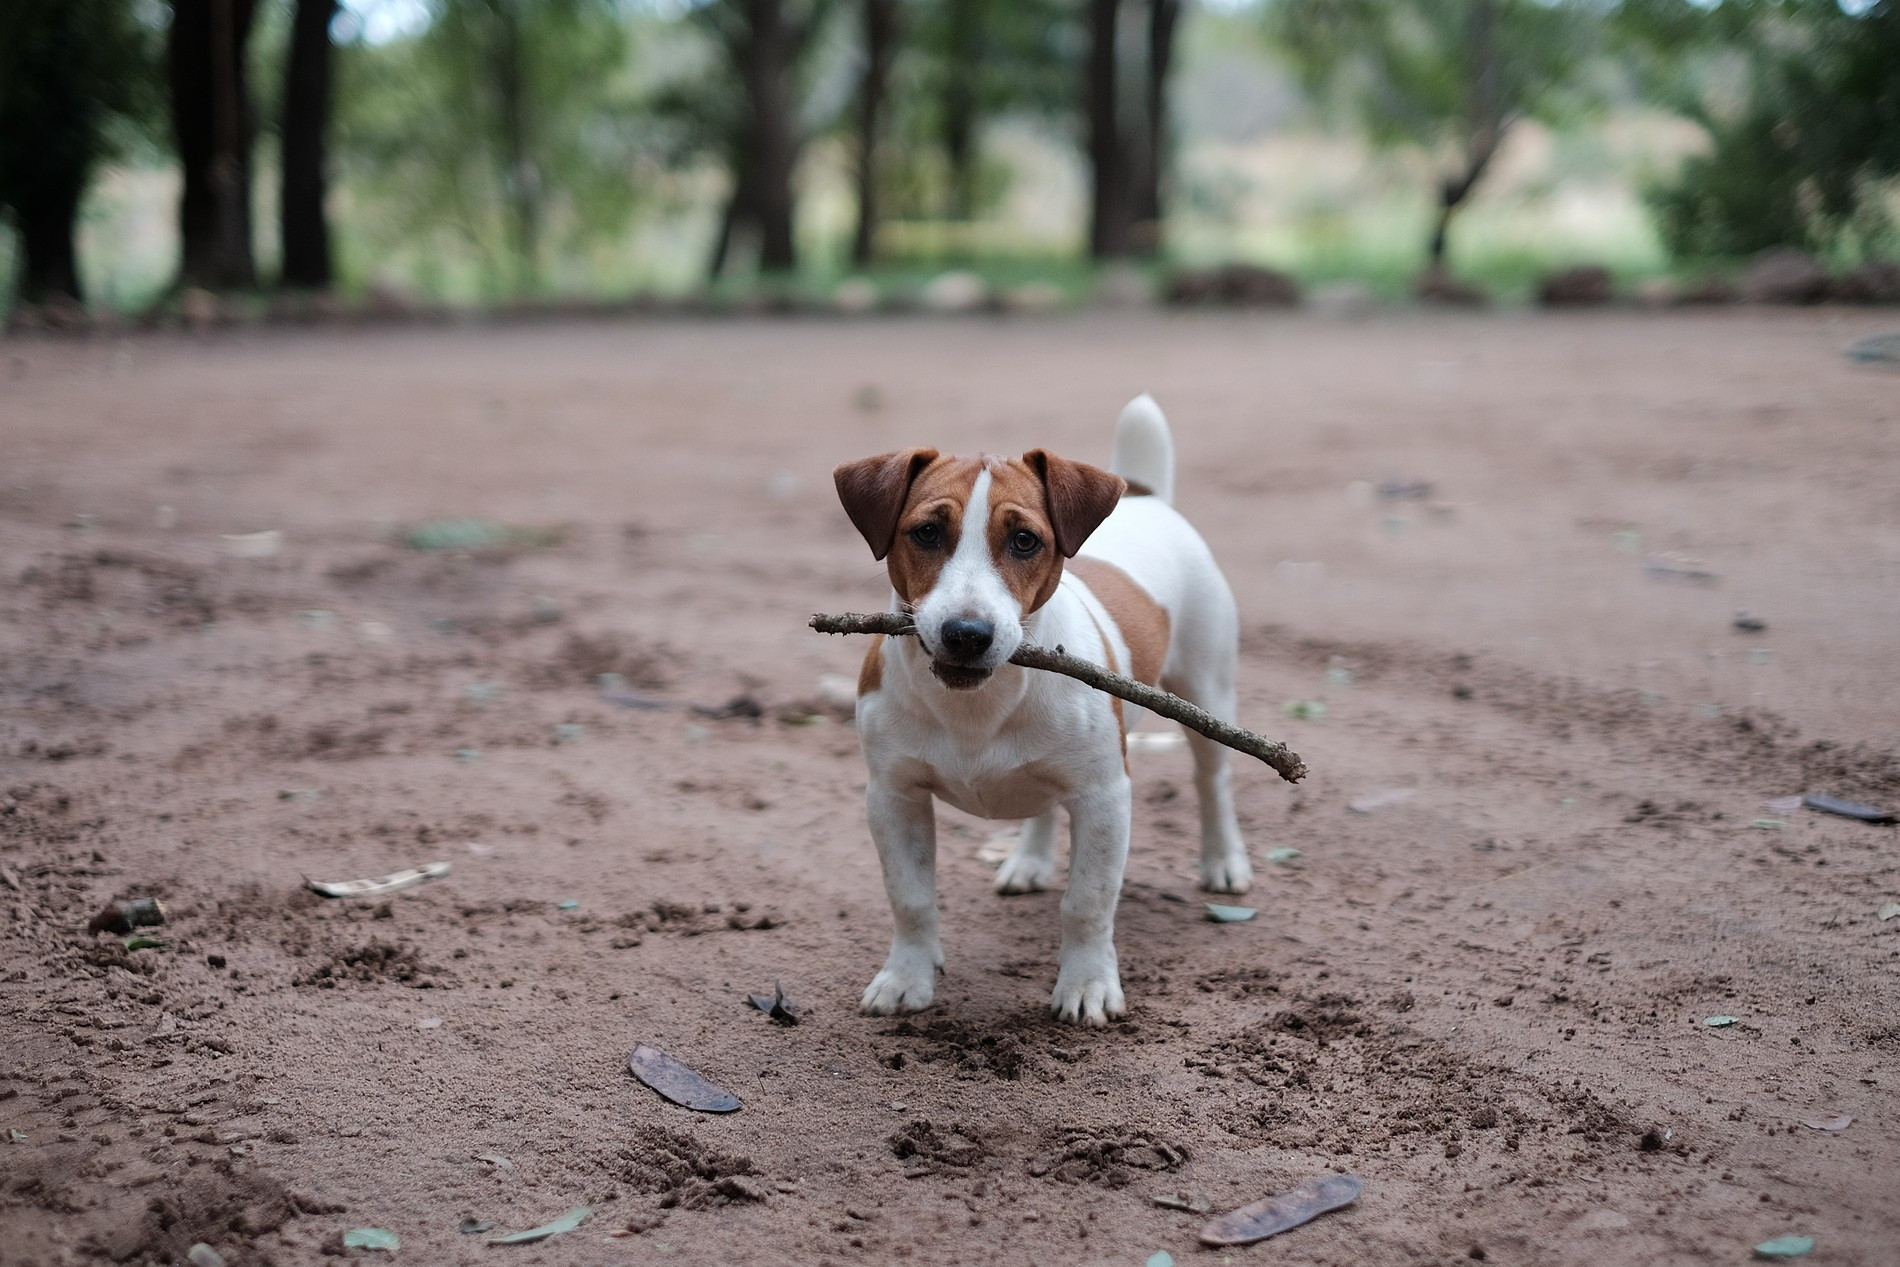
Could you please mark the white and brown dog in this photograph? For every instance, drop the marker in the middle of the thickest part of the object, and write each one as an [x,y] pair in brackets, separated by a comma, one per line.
[976,550]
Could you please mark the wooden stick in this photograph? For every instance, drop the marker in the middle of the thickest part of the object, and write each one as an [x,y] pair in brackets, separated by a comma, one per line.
[1282,758]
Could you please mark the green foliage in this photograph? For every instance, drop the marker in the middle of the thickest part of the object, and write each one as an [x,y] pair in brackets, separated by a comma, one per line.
[1408,73]
[1800,160]
[508,130]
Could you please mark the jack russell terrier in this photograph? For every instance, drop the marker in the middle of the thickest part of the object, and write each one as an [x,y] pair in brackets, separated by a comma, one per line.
[984,553]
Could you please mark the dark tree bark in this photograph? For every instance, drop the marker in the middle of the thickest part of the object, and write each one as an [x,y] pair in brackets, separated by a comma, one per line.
[1109,205]
[521,180]
[1151,168]
[880,42]
[1485,126]
[307,77]
[212,116]
[45,215]
[766,70]
[959,105]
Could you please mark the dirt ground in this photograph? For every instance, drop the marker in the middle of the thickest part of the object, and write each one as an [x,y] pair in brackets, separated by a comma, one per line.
[1487,998]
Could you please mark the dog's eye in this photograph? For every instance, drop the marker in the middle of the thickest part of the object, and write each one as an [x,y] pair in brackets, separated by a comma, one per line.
[929,536]
[1023,543]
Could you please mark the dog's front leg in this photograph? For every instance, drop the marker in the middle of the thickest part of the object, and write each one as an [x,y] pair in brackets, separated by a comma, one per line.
[1088,978]
[904,825]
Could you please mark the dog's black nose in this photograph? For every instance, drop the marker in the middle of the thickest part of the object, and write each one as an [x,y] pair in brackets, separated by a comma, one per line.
[967,639]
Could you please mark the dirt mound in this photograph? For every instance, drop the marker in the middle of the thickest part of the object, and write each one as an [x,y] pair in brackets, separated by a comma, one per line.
[930,1148]
[1108,1156]
[374,961]
[976,1051]
[686,1173]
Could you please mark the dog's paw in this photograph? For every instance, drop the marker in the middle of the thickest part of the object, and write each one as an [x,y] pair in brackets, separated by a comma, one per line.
[1231,874]
[1023,872]
[908,986]
[1088,996]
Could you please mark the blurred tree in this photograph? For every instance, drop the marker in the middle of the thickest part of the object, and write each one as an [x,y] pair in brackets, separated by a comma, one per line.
[880,45]
[1798,159]
[1127,133]
[305,133]
[503,122]
[764,43]
[215,126]
[1448,77]
[68,68]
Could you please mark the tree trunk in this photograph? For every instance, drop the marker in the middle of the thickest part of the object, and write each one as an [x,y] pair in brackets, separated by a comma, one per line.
[766,69]
[959,106]
[307,77]
[738,214]
[1485,122]
[45,215]
[880,41]
[521,177]
[1152,166]
[211,114]
[1108,219]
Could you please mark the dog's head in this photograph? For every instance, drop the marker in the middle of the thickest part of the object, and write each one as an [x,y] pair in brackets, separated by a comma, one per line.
[974,545]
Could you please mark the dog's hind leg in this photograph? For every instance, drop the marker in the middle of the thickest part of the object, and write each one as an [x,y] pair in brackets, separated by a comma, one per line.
[1032,863]
[1224,864]
[904,825]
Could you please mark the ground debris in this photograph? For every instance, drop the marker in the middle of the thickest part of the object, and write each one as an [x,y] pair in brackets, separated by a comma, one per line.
[678,1083]
[1273,1215]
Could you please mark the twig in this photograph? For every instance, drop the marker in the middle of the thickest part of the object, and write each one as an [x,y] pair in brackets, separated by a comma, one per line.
[1282,758]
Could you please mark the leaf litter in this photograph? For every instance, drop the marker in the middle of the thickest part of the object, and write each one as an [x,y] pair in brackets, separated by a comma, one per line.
[677,1083]
[566,1223]
[1270,1216]
[775,1005]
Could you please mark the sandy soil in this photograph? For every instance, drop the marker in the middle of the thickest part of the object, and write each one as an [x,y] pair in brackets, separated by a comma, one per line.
[1487,999]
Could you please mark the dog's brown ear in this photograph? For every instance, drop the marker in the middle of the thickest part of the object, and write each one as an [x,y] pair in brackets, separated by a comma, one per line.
[1080,496]
[873,492]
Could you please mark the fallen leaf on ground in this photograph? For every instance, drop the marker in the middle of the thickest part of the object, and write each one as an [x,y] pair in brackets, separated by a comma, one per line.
[371,1238]
[1161,1258]
[1273,1215]
[378,885]
[139,941]
[1373,802]
[1304,709]
[1840,1123]
[1848,809]
[775,1005]
[1229,914]
[1182,1201]
[1718,1022]
[496,1160]
[566,1223]
[1284,853]
[202,1255]
[475,1227]
[678,1083]
[1888,911]
[476,534]
[1785,1247]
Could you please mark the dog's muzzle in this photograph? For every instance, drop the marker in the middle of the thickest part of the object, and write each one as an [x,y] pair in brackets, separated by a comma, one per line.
[964,645]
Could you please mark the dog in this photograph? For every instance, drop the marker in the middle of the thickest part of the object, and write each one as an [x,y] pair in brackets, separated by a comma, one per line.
[984,554]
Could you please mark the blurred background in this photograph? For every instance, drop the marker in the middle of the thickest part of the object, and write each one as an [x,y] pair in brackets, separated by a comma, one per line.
[248,158]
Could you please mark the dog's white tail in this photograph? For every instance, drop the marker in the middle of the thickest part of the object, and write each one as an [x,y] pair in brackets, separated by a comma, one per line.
[1144,451]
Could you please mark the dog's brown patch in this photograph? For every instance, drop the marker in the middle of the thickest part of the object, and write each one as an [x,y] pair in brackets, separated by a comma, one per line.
[892,495]
[1143,622]
[871,672]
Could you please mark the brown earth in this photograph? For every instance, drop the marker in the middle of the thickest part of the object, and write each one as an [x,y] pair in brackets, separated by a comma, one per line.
[1487,999]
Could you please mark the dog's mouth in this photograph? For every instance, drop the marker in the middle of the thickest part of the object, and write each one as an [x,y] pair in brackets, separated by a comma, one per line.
[959,677]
